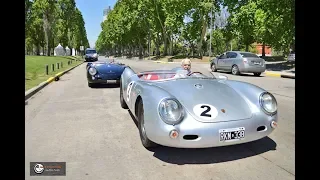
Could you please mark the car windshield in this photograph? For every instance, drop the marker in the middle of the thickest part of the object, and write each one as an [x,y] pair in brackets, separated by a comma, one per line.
[248,55]
[91,51]
[171,75]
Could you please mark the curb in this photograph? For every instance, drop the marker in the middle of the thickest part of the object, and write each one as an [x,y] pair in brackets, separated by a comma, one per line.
[56,77]
[279,75]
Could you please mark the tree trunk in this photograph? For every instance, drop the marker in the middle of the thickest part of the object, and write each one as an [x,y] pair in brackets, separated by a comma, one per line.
[203,33]
[157,45]
[140,51]
[263,50]
[165,44]
[247,47]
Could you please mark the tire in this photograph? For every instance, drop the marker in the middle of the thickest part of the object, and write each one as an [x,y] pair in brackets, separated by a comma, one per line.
[256,74]
[147,143]
[91,85]
[122,102]
[213,67]
[235,70]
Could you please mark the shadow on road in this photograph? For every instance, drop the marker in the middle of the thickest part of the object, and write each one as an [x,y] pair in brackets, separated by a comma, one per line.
[181,156]
[110,86]
[284,66]
[214,155]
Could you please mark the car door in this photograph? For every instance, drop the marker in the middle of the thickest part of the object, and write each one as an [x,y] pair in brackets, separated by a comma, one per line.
[220,61]
[231,57]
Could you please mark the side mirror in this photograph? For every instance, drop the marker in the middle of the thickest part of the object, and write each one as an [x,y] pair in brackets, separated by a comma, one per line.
[222,77]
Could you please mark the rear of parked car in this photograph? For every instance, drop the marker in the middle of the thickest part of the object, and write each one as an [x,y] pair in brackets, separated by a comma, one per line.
[251,63]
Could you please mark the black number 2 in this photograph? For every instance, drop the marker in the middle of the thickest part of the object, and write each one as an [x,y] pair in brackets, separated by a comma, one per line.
[204,113]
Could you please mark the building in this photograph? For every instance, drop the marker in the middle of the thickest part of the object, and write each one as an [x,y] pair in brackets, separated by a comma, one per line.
[106,12]
[267,49]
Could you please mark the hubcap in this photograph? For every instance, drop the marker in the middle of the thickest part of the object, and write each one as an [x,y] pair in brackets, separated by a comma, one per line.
[213,67]
[234,70]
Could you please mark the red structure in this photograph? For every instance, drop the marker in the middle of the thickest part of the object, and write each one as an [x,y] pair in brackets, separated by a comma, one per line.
[268,49]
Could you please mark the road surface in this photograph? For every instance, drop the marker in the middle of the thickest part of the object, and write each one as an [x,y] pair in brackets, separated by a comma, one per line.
[87,128]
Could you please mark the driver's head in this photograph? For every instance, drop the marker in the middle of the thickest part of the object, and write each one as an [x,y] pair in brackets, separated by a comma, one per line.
[186,64]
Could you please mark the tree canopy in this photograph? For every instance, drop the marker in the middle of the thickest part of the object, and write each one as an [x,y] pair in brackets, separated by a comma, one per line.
[50,22]
[133,26]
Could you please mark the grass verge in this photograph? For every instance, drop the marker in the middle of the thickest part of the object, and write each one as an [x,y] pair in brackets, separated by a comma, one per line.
[35,68]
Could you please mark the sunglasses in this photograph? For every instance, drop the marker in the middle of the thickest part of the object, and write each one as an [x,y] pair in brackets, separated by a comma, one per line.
[187,65]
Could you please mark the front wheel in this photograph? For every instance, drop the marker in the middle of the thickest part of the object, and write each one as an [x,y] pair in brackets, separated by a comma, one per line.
[91,85]
[122,102]
[147,143]
[213,68]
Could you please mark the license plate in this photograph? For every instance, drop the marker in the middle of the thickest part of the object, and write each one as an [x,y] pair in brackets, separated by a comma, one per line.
[112,81]
[233,134]
[256,63]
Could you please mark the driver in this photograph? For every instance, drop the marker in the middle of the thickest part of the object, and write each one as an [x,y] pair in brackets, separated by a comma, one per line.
[185,69]
[186,65]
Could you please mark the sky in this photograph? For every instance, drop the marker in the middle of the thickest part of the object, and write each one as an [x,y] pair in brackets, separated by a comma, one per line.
[92,12]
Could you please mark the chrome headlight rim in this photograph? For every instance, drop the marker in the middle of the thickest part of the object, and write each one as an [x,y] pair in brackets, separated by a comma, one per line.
[164,119]
[262,104]
[93,71]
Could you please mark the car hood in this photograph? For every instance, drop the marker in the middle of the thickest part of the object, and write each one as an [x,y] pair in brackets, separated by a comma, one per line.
[106,68]
[226,103]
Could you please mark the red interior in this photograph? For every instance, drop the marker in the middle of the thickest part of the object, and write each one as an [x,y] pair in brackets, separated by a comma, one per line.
[156,76]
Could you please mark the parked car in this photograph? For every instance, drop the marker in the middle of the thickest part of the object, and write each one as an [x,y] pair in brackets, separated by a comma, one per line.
[91,55]
[292,56]
[102,72]
[239,62]
[177,109]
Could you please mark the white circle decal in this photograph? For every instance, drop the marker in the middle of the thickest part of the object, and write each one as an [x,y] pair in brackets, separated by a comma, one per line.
[205,111]
[129,90]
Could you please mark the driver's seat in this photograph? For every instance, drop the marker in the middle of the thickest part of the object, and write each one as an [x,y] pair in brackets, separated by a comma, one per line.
[151,77]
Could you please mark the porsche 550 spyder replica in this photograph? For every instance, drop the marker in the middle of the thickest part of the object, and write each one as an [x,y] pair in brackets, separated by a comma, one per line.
[196,111]
[102,72]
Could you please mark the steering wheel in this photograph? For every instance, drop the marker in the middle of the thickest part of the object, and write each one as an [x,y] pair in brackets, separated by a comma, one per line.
[194,73]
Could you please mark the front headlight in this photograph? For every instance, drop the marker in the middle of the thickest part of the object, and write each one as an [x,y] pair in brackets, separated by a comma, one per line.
[95,55]
[268,103]
[92,71]
[171,111]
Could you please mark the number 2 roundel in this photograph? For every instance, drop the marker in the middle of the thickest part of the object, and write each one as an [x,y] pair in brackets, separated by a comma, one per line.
[205,111]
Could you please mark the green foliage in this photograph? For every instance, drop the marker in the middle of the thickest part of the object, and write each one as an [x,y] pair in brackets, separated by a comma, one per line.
[132,22]
[49,22]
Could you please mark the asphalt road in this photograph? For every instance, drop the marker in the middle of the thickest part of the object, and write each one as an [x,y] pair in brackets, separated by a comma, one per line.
[87,128]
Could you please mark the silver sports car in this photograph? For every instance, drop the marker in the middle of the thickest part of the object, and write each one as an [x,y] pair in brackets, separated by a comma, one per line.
[183,110]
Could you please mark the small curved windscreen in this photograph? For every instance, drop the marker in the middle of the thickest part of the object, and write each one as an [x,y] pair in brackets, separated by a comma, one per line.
[179,74]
